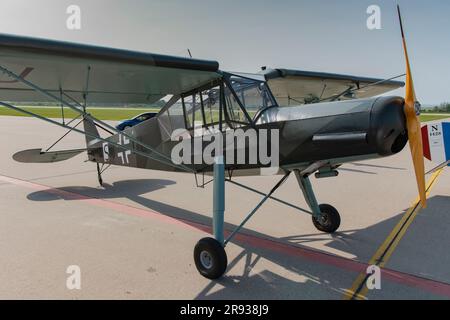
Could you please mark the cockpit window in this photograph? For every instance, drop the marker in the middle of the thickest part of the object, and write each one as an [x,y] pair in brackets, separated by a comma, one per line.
[253,95]
[232,102]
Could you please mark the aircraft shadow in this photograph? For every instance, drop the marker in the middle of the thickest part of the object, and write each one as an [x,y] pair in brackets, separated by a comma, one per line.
[312,280]
[119,189]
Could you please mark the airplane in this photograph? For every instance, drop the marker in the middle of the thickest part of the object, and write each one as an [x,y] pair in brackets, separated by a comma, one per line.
[323,120]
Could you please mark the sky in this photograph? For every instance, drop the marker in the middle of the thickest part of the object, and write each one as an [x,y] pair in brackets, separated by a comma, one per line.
[314,35]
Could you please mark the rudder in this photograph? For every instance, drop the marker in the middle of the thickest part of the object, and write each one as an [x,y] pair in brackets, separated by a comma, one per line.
[91,133]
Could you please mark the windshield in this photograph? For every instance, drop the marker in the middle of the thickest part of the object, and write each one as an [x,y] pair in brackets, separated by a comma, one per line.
[253,95]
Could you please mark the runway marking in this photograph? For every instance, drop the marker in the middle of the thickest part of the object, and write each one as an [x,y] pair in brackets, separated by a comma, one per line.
[359,290]
[315,256]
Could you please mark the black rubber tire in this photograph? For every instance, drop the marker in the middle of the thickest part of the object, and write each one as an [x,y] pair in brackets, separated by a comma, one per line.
[332,219]
[216,255]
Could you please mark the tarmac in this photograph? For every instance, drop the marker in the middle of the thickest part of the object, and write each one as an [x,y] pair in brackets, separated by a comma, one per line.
[134,237]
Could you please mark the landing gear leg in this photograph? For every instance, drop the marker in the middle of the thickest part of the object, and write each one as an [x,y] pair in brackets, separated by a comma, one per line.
[325,217]
[209,254]
[99,175]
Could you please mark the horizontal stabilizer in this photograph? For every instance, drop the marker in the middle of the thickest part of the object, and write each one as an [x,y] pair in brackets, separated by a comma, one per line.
[38,156]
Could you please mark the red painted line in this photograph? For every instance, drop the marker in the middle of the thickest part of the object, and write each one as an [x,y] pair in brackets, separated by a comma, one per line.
[66,195]
[436,287]
[432,286]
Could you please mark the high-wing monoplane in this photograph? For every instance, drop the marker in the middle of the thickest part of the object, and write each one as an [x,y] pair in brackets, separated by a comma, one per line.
[317,121]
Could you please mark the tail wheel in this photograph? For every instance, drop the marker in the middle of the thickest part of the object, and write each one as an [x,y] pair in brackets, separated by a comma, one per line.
[210,258]
[329,220]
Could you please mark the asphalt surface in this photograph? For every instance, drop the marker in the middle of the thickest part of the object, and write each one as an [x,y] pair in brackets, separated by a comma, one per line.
[134,237]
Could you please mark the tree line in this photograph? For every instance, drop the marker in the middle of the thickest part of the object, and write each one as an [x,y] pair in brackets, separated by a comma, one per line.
[442,108]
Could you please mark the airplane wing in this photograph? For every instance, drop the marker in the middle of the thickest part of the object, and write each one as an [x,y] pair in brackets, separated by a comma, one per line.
[295,86]
[106,75]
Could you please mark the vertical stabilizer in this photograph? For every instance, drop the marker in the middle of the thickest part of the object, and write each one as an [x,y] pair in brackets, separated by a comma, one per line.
[91,130]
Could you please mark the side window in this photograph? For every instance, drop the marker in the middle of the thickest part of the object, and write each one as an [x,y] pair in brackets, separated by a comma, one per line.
[198,111]
[235,113]
[165,125]
[176,116]
[211,104]
[193,111]
[188,111]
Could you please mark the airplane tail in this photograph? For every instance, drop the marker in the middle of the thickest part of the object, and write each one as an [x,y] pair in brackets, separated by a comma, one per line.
[92,133]
[40,156]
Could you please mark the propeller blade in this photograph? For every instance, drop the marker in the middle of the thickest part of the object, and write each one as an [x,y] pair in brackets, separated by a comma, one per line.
[413,124]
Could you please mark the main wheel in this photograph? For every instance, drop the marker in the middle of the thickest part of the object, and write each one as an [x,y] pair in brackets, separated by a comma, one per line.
[210,258]
[329,221]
